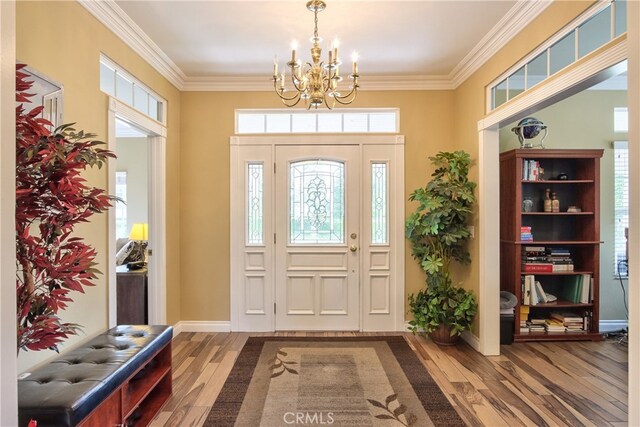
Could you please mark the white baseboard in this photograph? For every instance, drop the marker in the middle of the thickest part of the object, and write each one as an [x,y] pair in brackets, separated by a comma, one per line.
[472,340]
[201,326]
[613,325]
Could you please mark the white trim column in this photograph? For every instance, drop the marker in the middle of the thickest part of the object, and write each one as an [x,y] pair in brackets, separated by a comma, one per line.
[8,358]
[633,94]
[489,243]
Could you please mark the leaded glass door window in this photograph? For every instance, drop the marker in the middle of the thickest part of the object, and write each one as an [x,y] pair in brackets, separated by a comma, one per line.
[316,202]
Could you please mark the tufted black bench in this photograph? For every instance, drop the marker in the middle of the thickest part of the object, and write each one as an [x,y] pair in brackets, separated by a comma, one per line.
[120,377]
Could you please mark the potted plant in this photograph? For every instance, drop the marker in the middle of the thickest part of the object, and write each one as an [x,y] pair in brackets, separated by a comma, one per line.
[439,234]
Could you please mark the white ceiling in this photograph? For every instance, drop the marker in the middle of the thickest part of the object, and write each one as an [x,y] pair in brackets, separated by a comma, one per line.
[203,41]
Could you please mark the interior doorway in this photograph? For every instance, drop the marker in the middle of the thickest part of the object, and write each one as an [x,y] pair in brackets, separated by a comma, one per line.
[132,223]
[137,243]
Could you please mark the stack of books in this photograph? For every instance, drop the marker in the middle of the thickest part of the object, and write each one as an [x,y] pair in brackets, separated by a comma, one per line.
[560,258]
[530,170]
[524,319]
[571,322]
[538,325]
[554,326]
[525,234]
[534,260]
[539,259]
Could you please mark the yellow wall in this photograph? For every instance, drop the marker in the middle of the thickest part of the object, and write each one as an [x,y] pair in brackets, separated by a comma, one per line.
[469,98]
[426,120]
[63,41]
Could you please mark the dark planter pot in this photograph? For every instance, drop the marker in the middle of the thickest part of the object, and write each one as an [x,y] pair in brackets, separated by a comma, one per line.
[441,336]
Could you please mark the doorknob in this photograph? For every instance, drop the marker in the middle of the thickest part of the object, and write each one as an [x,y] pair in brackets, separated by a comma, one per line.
[353,248]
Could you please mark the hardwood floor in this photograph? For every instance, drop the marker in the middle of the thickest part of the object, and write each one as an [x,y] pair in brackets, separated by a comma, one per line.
[533,384]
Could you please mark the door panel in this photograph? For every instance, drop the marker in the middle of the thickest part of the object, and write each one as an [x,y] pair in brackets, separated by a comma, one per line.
[317,246]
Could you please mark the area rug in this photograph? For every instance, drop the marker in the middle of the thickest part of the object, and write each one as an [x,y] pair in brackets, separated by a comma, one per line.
[330,381]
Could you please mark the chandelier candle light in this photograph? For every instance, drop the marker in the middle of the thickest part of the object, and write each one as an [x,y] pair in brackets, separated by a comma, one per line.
[316,81]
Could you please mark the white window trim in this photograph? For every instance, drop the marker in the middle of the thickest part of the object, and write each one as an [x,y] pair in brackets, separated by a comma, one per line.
[572,26]
[124,73]
[620,145]
[620,110]
[296,111]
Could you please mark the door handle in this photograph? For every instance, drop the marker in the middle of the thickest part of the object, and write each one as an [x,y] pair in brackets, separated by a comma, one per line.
[353,248]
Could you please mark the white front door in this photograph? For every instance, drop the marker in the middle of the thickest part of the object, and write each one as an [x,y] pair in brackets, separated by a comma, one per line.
[317,256]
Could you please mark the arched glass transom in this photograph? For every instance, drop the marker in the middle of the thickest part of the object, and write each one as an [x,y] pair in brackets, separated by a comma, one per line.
[316,202]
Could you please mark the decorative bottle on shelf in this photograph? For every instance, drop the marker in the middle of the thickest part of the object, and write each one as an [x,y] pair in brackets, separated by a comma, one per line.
[555,203]
[547,200]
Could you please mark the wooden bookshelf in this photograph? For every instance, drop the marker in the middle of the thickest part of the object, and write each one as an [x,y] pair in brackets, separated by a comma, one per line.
[577,232]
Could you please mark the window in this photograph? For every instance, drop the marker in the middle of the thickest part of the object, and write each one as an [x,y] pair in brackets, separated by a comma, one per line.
[116,82]
[316,202]
[372,120]
[379,203]
[621,120]
[255,203]
[122,230]
[596,27]
[46,93]
[621,206]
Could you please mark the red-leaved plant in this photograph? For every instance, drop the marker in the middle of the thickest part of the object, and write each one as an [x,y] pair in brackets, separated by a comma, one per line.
[51,199]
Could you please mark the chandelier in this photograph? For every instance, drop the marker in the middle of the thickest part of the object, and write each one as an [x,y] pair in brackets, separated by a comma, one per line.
[315,82]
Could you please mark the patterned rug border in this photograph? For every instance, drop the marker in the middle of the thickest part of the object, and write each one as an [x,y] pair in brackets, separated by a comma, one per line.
[428,392]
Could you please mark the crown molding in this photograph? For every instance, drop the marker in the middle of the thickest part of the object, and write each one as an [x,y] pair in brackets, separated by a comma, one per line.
[518,17]
[115,19]
[262,84]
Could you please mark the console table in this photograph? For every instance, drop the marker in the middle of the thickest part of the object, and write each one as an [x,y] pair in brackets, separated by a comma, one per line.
[131,289]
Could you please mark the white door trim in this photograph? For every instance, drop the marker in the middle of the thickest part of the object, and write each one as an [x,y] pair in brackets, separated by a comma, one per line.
[264,148]
[586,72]
[157,292]
[8,359]
[633,76]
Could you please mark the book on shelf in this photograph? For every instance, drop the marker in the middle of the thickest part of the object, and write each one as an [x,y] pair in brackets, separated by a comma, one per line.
[530,170]
[526,291]
[540,259]
[577,289]
[553,325]
[566,316]
[537,267]
[542,295]
[525,234]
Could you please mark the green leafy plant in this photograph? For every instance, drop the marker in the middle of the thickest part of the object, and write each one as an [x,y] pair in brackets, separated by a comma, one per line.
[439,235]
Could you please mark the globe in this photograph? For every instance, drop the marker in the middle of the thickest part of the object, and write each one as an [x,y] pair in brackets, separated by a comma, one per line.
[529,128]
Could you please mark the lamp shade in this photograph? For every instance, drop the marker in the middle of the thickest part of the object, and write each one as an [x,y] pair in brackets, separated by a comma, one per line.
[139,231]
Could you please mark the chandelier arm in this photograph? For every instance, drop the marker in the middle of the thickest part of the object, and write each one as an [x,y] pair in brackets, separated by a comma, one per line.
[297,99]
[333,104]
[296,84]
[344,99]
[284,98]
